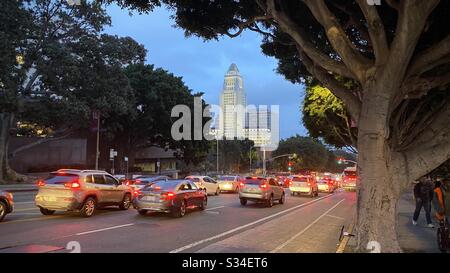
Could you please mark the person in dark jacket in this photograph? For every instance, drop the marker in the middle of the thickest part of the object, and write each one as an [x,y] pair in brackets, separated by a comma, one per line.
[423,194]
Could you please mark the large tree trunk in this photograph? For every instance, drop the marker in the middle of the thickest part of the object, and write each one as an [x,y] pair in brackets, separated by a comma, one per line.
[6,120]
[377,192]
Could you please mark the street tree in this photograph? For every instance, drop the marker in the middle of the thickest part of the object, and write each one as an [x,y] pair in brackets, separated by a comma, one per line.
[325,116]
[398,56]
[59,70]
[156,92]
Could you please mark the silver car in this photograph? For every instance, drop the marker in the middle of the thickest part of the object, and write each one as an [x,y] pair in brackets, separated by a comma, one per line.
[260,189]
[82,191]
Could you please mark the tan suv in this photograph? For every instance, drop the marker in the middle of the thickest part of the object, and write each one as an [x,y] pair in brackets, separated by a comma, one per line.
[261,189]
[82,191]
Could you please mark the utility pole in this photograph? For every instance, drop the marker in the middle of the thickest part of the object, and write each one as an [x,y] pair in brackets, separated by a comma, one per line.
[126,163]
[264,160]
[96,115]
[217,153]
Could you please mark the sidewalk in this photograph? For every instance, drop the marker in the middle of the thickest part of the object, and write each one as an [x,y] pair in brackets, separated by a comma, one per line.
[412,239]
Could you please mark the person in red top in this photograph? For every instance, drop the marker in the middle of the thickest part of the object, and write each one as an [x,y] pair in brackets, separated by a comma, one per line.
[441,200]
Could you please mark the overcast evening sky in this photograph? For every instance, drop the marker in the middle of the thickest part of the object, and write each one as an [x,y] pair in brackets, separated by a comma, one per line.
[203,64]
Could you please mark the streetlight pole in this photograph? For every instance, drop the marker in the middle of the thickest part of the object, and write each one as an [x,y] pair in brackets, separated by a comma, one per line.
[264,161]
[250,156]
[217,154]
[97,152]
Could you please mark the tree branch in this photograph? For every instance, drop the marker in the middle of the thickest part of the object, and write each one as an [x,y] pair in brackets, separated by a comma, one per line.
[355,62]
[244,25]
[352,103]
[431,58]
[376,31]
[299,35]
[410,24]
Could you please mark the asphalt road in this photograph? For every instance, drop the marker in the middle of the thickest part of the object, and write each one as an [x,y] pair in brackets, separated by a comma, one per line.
[302,224]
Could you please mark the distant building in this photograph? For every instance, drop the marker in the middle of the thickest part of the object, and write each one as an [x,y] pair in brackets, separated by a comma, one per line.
[232,102]
[237,119]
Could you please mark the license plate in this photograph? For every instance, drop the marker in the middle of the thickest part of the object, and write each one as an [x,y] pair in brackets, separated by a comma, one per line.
[50,198]
[149,198]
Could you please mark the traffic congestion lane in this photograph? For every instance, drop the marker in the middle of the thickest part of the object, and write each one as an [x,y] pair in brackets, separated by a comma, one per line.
[126,231]
[167,236]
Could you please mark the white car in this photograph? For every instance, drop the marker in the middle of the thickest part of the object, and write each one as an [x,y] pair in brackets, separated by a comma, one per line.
[206,183]
[229,183]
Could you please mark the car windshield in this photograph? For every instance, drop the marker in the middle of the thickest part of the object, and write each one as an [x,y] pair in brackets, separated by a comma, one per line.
[193,179]
[226,178]
[162,185]
[60,178]
[253,181]
[299,179]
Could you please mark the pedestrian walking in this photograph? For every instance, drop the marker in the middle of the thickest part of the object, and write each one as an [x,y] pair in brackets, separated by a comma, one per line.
[423,194]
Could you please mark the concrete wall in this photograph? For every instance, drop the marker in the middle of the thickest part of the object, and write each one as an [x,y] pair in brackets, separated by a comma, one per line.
[63,153]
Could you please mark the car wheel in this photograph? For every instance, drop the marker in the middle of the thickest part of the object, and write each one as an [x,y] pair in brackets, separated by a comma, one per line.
[181,211]
[126,202]
[270,202]
[46,211]
[204,203]
[2,211]
[142,212]
[88,208]
[243,201]
[282,199]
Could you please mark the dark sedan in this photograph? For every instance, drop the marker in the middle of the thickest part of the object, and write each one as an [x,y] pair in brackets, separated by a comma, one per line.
[174,197]
[6,204]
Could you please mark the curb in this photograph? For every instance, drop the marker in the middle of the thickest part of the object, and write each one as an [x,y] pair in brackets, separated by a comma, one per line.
[344,242]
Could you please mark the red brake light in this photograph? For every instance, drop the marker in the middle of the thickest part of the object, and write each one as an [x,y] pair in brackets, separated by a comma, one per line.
[72,185]
[138,181]
[40,183]
[254,177]
[137,192]
[309,184]
[241,184]
[157,188]
[168,196]
[263,186]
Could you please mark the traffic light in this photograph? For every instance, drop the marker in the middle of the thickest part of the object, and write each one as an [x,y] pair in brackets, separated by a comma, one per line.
[340,160]
[290,166]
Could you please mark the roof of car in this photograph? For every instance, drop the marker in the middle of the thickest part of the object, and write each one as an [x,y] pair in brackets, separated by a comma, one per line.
[75,171]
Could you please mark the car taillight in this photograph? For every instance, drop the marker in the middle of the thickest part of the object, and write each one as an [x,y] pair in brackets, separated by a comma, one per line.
[241,184]
[168,196]
[309,184]
[127,183]
[72,185]
[290,183]
[263,186]
[40,183]
[138,181]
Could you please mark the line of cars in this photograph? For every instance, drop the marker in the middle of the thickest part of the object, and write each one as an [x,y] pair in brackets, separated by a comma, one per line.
[84,191]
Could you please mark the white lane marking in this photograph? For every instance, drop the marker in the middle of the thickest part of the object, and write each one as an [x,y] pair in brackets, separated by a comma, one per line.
[103,229]
[306,228]
[212,212]
[247,225]
[336,217]
[214,208]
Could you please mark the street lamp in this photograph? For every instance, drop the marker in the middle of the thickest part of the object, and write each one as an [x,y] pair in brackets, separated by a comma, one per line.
[250,156]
